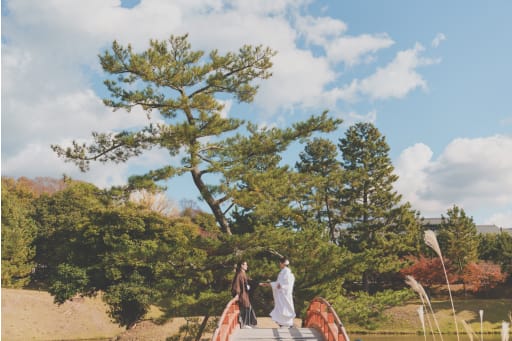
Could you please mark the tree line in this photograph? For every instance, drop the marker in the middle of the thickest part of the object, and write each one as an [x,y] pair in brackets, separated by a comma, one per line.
[334,213]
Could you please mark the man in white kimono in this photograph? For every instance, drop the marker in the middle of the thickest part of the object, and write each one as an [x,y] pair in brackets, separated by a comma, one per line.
[282,289]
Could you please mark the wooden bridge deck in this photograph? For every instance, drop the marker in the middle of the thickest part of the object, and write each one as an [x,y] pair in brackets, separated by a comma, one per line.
[282,334]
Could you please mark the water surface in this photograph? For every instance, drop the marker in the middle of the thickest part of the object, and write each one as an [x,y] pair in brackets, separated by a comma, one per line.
[463,337]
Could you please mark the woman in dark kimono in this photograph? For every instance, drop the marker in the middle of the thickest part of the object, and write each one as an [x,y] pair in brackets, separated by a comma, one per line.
[240,288]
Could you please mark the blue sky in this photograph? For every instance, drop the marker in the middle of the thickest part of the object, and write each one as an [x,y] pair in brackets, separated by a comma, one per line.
[434,77]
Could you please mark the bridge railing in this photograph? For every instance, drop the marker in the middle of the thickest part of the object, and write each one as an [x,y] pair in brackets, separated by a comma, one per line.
[228,321]
[321,316]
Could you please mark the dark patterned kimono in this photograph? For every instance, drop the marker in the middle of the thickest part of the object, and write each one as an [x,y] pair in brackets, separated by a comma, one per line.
[240,287]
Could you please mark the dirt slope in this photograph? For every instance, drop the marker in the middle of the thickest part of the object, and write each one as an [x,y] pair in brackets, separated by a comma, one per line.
[32,315]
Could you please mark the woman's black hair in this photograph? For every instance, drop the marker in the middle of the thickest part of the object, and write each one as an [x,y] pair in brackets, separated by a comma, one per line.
[239,265]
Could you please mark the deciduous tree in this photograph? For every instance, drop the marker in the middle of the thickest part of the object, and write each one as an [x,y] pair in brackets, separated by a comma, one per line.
[482,276]
[428,271]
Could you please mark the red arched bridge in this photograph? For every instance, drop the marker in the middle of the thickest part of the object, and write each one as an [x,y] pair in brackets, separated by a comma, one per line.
[321,323]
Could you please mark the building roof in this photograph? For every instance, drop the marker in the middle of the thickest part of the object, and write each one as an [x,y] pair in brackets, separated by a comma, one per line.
[434,222]
[431,221]
[488,228]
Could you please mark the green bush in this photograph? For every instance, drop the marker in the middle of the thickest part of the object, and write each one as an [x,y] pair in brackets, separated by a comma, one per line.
[366,310]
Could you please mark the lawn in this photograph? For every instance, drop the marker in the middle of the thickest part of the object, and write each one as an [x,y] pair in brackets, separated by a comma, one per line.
[405,319]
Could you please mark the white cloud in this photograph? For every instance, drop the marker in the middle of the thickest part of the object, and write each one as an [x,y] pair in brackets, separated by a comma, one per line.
[475,174]
[36,160]
[352,118]
[227,107]
[412,168]
[68,115]
[70,32]
[229,30]
[321,30]
[300,83]
[475,170]
[438,39]
[395,80]
[265,7]
[351,50]
[329,34]
[398,78]
[349,93]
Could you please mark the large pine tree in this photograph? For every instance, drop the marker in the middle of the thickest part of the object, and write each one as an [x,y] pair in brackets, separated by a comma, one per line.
[458,238]
[379,229]
[325,178]
[184,87]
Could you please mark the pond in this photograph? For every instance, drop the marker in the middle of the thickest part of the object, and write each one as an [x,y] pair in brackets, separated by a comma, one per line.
[356,337]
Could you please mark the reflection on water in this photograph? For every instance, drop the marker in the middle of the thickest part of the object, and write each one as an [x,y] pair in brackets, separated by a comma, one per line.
[356,337]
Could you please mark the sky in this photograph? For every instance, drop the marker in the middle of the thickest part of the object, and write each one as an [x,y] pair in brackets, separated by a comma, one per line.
[432,76]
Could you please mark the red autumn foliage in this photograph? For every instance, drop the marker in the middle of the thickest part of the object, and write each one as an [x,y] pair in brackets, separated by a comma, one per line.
[482,276]
[428,271]
[477,277]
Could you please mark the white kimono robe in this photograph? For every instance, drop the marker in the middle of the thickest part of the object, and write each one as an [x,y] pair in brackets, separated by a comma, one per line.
[284,311]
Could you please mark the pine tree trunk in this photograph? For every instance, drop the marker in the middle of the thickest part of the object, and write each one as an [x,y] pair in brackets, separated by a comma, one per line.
[210,200]
[202,327]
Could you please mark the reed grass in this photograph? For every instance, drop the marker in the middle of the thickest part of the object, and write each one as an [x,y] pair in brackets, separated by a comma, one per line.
[421,314]
[431,241]
[418,288]
[504,331]
[469,330]
[481,313]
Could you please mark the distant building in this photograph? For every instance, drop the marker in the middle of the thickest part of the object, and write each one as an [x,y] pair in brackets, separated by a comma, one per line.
[433,223]
[489,229]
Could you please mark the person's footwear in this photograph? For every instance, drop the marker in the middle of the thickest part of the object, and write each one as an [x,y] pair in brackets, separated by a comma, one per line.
[246,327]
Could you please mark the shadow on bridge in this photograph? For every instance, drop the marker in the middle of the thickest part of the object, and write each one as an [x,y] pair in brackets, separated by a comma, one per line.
[321,323]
